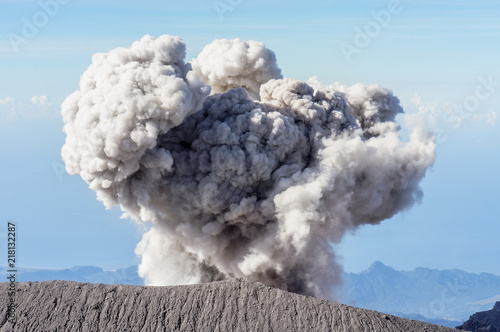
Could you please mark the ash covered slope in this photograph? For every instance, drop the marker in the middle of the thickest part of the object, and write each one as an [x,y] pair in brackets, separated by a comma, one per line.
[232,305]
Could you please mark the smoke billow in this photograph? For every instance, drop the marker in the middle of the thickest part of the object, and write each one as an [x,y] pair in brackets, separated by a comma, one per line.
[227,64]
[256,179]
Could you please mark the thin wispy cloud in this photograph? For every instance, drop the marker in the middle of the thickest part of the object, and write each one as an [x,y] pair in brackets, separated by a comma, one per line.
[37,107]
[443,118]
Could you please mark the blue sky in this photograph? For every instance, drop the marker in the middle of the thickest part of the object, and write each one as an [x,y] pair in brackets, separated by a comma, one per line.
[433,54]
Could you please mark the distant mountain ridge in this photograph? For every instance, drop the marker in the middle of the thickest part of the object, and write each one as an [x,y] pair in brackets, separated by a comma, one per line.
[443,294]
[444,297]
[92,274]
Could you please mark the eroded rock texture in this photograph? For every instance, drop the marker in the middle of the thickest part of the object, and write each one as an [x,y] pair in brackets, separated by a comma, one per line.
[231,305]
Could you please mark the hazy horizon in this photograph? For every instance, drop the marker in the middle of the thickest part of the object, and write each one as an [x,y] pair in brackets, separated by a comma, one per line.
[439,59]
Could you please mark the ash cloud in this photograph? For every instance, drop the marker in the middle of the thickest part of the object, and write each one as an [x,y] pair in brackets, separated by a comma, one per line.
[241,172]
[226,64]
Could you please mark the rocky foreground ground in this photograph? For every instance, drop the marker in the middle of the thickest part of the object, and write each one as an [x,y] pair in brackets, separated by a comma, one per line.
[233,305]
[484,320]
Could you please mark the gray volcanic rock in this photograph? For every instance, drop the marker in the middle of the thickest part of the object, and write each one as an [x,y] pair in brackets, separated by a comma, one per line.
[231,305]
[484,320]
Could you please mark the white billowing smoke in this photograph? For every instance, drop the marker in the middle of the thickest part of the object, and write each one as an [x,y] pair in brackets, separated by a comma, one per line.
[226,64]
[254,181]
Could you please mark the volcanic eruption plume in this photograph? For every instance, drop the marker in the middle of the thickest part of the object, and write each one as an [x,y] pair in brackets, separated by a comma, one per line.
[240,172]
